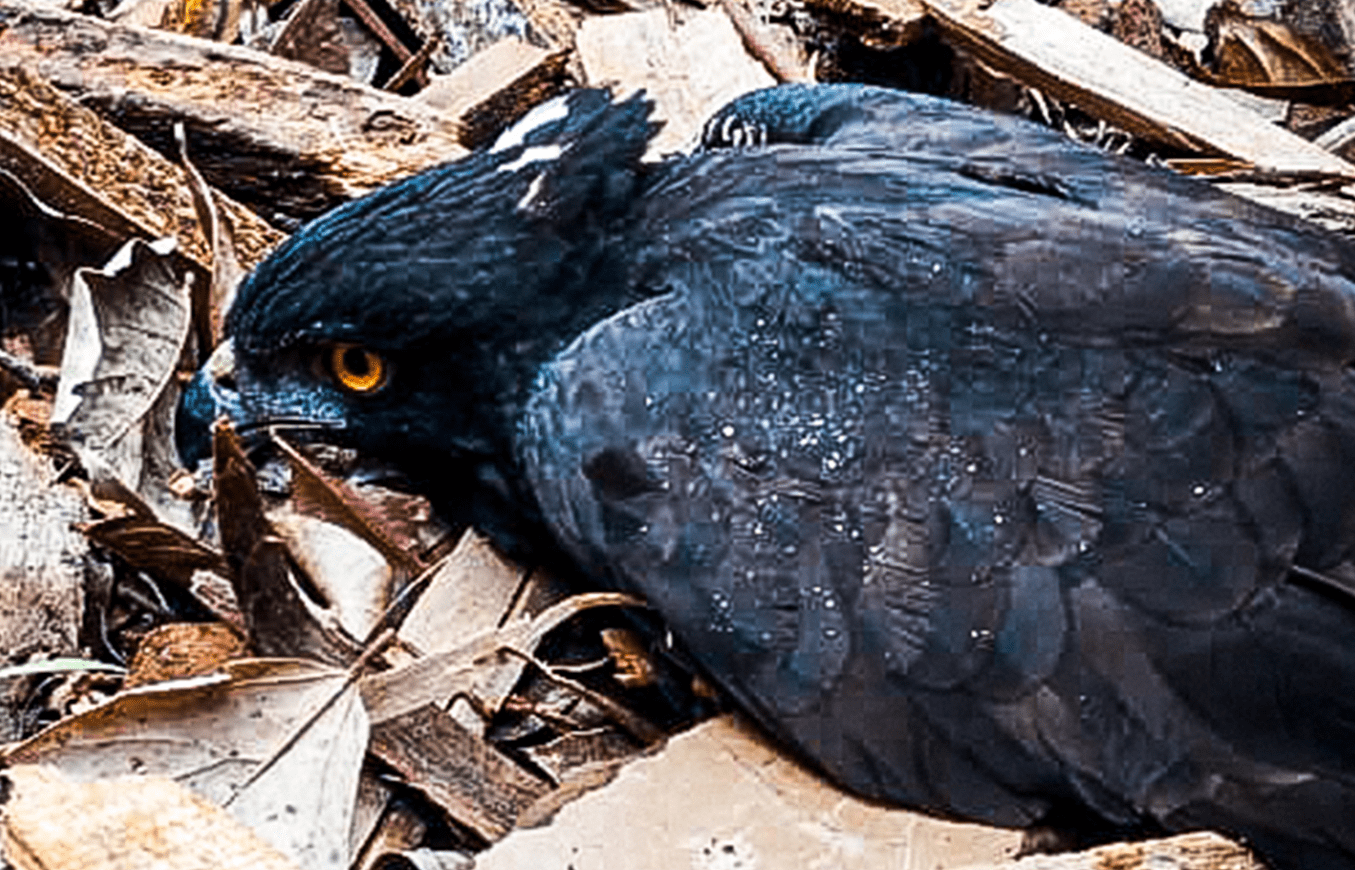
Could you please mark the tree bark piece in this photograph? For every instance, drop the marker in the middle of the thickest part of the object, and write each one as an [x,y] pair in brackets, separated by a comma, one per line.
[41,565]
[279,136]
[477,785]
[79,163]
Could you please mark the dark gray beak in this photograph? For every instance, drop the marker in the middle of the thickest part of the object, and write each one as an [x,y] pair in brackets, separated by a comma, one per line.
[209,395]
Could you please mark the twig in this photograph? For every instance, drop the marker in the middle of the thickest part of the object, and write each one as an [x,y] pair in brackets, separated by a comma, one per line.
[414,66]
[639,727]
[34,377]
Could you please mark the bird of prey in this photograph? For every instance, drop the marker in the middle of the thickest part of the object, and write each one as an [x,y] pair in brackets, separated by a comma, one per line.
[993,474]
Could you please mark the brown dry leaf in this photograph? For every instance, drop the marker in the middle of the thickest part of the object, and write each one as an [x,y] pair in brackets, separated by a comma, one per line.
[371,807]
[166,553]
[633,665]
[719,796]
[407,519]
[399,831]
[155,547]
[183,649]
[471,592]
[349,574]
[438,677]
[130,823]
[279,743]
[579,762]
[1255,52]
[62,243]
[128,325]
[283,617]
[210,302]
[334,501]
[472,781]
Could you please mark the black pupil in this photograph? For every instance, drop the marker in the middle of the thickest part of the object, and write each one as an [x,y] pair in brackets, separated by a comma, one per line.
[355,361]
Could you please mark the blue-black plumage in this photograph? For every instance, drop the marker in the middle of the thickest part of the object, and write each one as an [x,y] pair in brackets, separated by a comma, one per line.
[996,475]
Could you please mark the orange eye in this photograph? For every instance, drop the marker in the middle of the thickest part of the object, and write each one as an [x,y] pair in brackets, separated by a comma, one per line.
[357,368]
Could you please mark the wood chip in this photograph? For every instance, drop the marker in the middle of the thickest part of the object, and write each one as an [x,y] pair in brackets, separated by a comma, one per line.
[496,87]
[127,823]
[689,68]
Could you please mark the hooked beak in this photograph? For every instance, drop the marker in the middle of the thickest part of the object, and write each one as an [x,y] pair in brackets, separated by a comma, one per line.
[210,394]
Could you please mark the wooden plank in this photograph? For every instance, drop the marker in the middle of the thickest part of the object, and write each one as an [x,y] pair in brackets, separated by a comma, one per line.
[1055,52]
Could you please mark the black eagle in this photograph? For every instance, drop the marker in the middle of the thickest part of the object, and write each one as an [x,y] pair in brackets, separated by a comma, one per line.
[994,474]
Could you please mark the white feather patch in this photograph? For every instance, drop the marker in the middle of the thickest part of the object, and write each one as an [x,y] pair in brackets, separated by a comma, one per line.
[534,154]
[551,110]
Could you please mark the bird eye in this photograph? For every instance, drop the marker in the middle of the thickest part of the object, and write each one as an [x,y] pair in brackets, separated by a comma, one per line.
[357,368]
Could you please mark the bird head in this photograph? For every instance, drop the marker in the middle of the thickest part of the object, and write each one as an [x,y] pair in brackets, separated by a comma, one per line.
[409,324]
